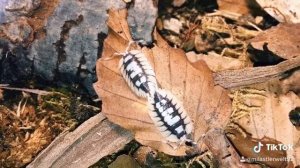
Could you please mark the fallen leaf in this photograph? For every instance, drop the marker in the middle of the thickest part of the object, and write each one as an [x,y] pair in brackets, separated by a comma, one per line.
[292,82]
[217,62]
[246,144]
[282,40]
[262,111]
[208,105]
[225,153]
[239,7]
[282,10]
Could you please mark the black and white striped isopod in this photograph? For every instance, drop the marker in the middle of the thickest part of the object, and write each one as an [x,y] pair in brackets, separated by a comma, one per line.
[138,73]
[170,117]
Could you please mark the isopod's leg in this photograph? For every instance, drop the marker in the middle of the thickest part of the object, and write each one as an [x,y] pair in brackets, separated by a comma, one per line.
[120,54]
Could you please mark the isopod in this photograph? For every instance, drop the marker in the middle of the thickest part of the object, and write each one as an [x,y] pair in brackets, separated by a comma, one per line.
[138,73]
[170,117]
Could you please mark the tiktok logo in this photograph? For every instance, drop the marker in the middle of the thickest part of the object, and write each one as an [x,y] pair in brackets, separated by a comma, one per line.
[257,148]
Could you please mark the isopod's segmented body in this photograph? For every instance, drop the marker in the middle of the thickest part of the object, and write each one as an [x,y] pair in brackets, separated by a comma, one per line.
[138,73]
[170,117]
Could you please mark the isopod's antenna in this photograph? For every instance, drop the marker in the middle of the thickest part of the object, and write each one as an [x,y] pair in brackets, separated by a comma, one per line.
[129,45]
[119,54]
[113,56]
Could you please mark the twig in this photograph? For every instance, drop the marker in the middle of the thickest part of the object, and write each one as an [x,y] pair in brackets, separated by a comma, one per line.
[248,76]
[19,110]
[35,91]
[11,112]
[70,147]
[236,17]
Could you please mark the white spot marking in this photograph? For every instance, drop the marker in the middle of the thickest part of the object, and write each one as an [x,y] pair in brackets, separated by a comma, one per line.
[161,109]
[157,105]
[170,110]
[143,79]
[179,129]
[171,120]
[138,83]
[127,58]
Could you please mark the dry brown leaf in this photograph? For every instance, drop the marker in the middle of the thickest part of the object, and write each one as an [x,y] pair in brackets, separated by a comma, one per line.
[225,153]
[263,111]
[240,7]
[282,10]
[292,82]
[217,62]
[208,106]
[282,40]
[245,145]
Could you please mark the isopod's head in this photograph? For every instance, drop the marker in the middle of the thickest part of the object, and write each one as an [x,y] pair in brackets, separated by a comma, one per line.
[138,73]
[127,56]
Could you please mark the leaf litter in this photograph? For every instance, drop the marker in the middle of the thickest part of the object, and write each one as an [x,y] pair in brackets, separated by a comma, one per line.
[31,119]
[252,104]
[206,104]
[255,113]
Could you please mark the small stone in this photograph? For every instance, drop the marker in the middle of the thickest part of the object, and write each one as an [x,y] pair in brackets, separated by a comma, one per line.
[124,161]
